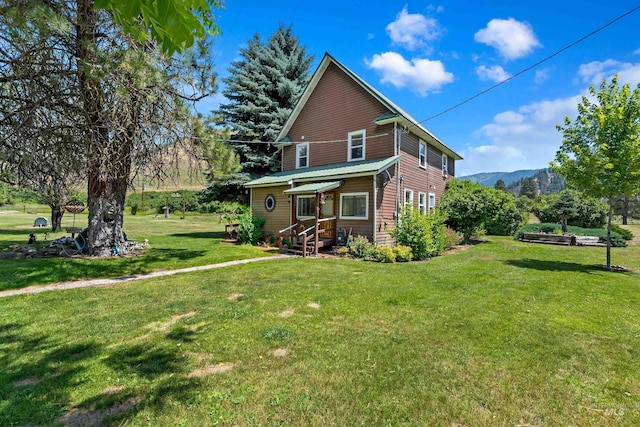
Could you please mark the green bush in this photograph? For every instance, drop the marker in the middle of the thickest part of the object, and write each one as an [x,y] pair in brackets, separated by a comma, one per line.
[623,232]
[134,209]
[425,234]
[250,229]
[578,209]
[361,247]
[384,254]
[403,253]
[469,206]
[342,251]
[452,237]
[616,239]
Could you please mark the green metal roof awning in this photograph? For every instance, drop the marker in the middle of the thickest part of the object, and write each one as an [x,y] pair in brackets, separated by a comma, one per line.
[332,172]
[318,187]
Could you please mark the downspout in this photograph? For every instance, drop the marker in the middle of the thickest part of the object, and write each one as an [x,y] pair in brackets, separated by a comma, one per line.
[396,146]
[375,209]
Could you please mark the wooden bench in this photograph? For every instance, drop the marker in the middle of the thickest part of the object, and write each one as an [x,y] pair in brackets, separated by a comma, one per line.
[551,239]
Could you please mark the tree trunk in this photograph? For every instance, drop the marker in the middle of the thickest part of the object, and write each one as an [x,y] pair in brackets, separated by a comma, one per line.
[106,197]
[625,209]
[609,233]
[57,211]
[108,163]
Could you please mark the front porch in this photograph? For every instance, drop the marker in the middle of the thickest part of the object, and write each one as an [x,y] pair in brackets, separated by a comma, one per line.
[313,208]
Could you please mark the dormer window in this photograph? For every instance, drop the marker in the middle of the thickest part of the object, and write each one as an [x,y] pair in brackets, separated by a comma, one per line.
[445,165]
[357,145]
[302,155]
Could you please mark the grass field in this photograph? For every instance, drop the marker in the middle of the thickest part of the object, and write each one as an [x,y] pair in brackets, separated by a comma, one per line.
[499,334]
[175,243]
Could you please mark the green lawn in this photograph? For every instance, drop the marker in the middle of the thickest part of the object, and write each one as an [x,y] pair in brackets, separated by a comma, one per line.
[500,334]
[175,243]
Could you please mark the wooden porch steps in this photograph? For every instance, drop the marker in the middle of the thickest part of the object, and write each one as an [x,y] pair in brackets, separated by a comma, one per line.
[323,242]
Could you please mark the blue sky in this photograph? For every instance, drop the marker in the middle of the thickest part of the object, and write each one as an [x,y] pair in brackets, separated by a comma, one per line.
[427,57]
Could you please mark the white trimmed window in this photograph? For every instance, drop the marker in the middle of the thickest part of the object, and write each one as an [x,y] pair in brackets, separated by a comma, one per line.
[357,145]
[432,201]
[408,199]
[354,206]
[422,203]
[302,155]
[445,165]
[422,154]
[306,207]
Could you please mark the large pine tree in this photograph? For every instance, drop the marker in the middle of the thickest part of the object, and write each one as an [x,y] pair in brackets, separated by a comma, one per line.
[262,89]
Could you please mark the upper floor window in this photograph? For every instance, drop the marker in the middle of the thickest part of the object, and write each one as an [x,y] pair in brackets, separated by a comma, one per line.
[422,154]
[357,145]
[445,165]
[302,155]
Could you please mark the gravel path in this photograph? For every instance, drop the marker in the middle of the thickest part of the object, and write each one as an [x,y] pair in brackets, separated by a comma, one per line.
[104,282]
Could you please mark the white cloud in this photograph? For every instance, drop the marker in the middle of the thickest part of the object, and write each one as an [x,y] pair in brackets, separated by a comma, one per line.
[636,52]
[494,73]
[596,71]
[522,139]
[527,138]
[513,39]
[413,30]
[419,75]
[370,36]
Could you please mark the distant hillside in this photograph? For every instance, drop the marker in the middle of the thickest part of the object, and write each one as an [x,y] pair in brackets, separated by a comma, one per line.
[548,182]
[489,179]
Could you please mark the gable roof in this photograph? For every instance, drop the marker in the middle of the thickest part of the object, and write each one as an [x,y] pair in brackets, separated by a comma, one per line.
[396,114]
[333,172]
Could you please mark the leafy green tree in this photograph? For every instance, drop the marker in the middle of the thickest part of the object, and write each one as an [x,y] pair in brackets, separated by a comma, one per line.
[600,151]
[175,25]
[262,90]
[529,188]
[470,206]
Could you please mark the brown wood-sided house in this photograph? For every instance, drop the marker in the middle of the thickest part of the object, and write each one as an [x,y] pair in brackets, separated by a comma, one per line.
[351,160]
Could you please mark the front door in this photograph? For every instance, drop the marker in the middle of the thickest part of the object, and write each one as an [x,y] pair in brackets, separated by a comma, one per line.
[327,210]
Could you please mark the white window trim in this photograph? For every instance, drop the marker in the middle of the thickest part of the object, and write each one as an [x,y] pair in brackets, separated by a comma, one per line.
[366,211]
[298,147]
[422,203]
[408,201]
[421,163]
[445,165]
[432,196]
[298,206]
[362,132]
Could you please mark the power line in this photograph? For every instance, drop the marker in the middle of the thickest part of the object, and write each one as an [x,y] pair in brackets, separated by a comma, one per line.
[235,141]
[569,46]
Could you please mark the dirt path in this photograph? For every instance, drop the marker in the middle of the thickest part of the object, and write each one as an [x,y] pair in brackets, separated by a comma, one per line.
[117,280]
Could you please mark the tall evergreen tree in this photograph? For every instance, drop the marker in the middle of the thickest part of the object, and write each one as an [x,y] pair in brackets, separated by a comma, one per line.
[529,188]
[262,90]
[500,185]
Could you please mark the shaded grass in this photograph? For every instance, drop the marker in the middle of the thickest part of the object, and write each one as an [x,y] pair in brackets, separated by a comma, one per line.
[175,243]
[503,333]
